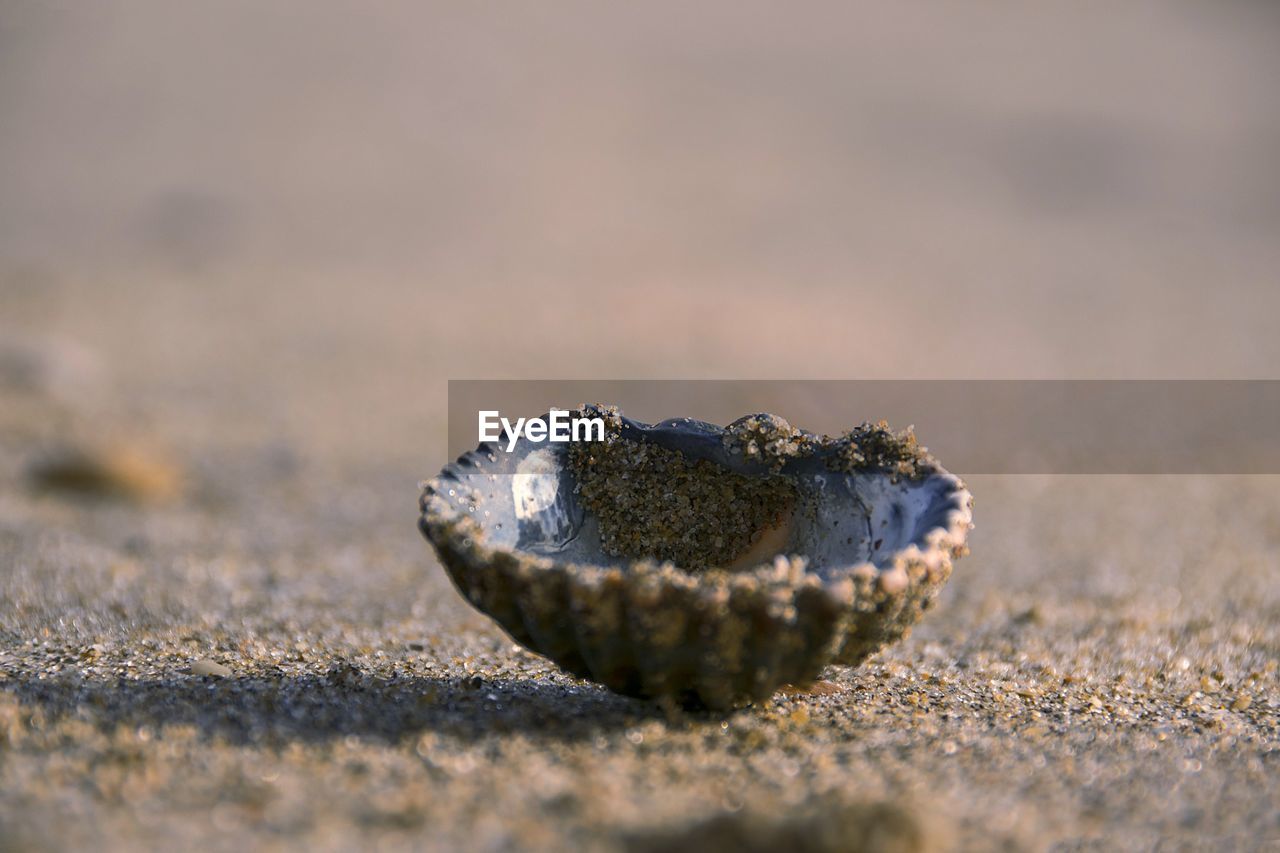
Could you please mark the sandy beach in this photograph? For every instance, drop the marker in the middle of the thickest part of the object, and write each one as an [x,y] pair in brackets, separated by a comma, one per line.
[235,282]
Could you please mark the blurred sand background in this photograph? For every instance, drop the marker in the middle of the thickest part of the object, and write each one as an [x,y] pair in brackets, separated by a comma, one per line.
[252,241]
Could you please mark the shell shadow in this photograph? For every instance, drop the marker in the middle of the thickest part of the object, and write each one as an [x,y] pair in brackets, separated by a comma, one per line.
[267,710]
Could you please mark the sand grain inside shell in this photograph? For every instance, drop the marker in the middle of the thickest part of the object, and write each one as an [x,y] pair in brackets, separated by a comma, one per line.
[655,503]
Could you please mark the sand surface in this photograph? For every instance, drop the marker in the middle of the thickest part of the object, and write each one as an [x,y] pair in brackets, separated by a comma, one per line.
[1101,670]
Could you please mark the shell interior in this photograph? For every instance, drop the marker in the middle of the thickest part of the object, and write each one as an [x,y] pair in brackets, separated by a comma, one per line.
[528,500]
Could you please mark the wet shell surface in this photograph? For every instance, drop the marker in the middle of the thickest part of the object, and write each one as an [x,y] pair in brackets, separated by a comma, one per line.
[699,564]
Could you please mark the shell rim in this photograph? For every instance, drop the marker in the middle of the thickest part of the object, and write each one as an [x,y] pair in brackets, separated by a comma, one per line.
[940,543]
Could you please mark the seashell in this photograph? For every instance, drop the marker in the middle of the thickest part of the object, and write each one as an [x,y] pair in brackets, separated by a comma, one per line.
[688,562]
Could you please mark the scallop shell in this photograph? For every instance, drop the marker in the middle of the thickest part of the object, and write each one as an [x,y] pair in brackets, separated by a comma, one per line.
[869,542]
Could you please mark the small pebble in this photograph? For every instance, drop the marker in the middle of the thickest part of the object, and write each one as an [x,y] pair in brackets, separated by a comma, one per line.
[204,667]
[122,473]
[818,688]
